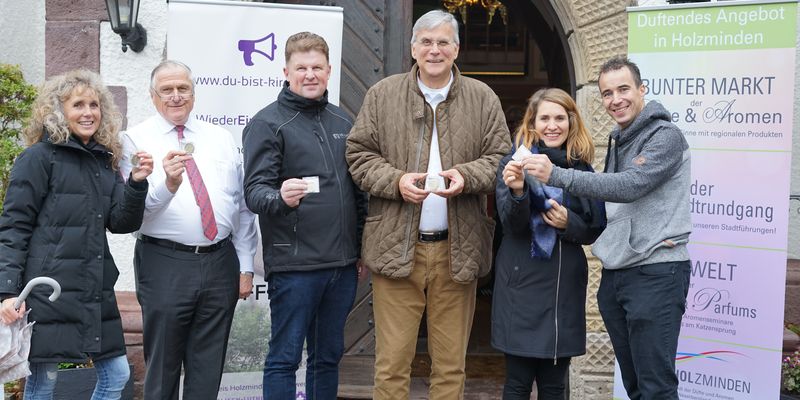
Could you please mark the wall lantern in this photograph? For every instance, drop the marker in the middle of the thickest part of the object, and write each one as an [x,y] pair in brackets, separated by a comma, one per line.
[123,15]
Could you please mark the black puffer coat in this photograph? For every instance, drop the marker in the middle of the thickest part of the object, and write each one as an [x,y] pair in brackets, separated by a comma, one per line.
[539,306]
[59,203]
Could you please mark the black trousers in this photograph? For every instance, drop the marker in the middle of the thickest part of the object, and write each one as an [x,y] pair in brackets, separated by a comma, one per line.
[550,377]
[187,303]
[642,308]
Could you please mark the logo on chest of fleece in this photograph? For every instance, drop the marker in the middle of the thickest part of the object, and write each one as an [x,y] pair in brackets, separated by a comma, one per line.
[339,136]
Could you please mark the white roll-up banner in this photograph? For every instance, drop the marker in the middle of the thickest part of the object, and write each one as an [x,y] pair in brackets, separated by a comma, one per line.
[725,71]
[236,53]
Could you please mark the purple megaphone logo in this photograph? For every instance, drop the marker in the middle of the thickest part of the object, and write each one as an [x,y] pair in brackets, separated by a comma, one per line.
[248,47]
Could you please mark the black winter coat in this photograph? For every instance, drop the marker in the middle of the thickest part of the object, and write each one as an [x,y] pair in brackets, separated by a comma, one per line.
[295,137]
[539,306]
[59,203]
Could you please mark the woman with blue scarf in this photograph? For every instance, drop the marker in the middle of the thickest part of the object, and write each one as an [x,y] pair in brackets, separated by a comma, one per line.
[539,303]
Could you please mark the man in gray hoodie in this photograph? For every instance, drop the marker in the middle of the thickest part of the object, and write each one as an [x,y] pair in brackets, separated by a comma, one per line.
[646,268]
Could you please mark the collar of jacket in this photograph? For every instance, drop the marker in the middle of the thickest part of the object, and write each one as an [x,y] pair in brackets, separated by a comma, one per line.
[73,143]
[418,106]
[296,102]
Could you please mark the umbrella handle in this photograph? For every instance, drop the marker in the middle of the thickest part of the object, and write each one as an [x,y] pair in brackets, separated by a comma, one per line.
[42,280]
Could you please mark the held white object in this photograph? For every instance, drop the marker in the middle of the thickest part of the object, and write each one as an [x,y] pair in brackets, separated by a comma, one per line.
[432,183]
[521,153]
[313,184]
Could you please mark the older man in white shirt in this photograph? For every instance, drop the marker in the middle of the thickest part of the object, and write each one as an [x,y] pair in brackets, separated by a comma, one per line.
[195,249]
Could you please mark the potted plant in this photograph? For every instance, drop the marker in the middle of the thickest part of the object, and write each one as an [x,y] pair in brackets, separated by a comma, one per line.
[790,372]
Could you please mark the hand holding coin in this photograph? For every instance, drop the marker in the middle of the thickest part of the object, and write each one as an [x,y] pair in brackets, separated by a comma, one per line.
[143,167]
[174,167]
[131,150]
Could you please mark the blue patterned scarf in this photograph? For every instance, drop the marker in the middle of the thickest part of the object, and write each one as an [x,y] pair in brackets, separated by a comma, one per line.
[543,236]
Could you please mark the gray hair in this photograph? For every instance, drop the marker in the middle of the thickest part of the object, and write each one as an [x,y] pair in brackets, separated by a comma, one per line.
[432,20]
[166,64]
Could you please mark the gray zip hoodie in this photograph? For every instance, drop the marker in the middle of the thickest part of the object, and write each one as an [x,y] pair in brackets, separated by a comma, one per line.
[646,190]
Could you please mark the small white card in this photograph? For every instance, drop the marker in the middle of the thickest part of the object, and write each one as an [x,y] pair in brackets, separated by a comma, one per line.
[432,183]
[313,184]
[521,153]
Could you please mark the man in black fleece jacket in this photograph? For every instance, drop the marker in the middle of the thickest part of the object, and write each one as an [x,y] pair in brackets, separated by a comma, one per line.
[310,214]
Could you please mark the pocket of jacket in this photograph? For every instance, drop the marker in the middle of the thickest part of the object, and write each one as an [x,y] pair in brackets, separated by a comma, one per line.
[40,267]
[514,276]
[286,245]
[485,239]
[371,235]
[614,248]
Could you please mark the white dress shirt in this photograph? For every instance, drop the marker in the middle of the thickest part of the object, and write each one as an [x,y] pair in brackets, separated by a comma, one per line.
[434,208]
[176,216]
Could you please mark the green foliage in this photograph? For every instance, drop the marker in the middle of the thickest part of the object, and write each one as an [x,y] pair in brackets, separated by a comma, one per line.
[13,389]
[790,369]
[16,97]
[249,339]
[69,365]
[793,327]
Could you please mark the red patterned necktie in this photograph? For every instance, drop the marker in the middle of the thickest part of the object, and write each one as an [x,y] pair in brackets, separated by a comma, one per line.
[200,194]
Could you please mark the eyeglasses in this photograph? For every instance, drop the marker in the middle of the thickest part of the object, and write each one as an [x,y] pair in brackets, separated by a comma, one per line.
[428,43]
[171,93]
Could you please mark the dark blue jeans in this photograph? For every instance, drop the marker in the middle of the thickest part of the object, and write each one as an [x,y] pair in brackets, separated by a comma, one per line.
[642,308]
[312,307]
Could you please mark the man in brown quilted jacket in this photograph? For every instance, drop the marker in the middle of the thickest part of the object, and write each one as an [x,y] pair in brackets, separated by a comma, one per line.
[426,145]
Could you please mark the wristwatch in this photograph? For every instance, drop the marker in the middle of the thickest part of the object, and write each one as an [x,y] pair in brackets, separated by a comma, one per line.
[247,273]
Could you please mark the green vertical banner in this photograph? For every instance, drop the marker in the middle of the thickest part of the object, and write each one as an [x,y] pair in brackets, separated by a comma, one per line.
[725,71]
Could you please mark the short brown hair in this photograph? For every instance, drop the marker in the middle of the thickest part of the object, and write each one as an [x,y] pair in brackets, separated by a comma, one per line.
[620,62]
[302,42]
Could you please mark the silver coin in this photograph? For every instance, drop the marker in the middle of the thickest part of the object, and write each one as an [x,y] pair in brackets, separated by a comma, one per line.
[189,147]
[134,160]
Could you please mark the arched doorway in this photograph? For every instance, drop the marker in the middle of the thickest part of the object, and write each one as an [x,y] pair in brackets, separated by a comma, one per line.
[516,52]
[515,56]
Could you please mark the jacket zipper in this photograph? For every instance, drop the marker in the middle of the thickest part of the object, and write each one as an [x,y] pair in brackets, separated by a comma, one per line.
[338,181]
[294,229]
[411,209]
[321,140]
[558,286]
